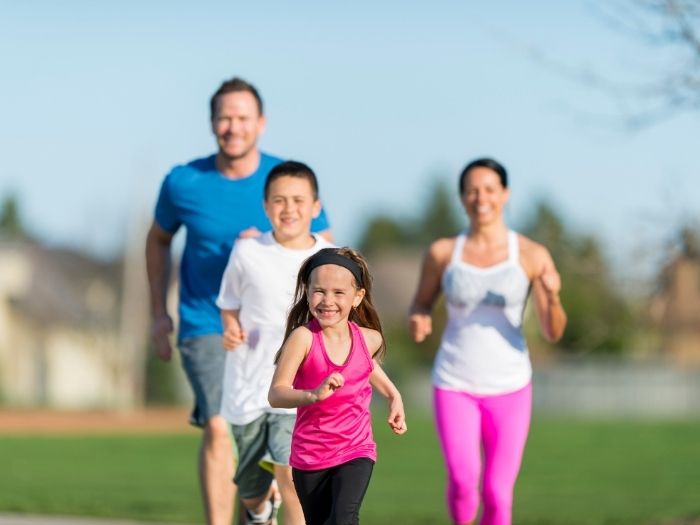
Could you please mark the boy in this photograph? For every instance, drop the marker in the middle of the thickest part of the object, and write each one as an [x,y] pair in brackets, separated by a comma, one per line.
[256,291]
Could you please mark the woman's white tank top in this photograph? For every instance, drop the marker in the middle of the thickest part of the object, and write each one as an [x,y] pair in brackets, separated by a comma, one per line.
[483,350]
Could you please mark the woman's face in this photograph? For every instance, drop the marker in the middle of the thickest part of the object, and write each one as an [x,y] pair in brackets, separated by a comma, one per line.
[483,196]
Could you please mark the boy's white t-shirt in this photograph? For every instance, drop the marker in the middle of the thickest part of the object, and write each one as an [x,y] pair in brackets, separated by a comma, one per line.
[259,280]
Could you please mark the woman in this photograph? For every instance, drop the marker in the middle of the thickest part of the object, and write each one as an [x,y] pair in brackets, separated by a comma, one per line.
[482,372]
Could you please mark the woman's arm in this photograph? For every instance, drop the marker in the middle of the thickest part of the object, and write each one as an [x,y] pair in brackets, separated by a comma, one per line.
[420,323]
[282,393]
[546,285]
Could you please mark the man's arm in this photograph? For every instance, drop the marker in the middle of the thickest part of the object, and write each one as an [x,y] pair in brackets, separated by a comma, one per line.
[158,266]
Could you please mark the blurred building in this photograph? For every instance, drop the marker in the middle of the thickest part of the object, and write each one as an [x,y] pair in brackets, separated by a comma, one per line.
[71,329]
[675,308]
[394,279]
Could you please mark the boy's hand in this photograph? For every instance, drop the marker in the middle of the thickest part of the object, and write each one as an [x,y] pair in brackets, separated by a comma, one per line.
[233,337]
[332,383]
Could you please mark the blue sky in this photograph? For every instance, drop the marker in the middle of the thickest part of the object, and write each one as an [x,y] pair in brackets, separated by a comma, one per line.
[100,99]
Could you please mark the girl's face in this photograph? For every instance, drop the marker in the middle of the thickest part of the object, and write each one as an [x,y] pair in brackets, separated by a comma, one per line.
[483,196]
[332,294]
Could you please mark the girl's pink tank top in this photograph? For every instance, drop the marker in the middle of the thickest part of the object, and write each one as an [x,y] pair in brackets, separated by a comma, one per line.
[338,429]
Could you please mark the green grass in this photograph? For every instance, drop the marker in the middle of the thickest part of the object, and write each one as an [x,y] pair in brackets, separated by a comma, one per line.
[574,472]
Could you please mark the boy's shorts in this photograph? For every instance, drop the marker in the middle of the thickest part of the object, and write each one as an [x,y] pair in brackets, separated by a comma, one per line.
[261,444]
[204,359]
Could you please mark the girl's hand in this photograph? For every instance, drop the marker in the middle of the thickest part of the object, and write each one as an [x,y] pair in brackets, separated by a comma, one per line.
[397,417]
[326,389]
[234,336]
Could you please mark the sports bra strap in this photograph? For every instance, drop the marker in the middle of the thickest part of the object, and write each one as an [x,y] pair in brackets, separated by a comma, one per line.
[513,247]
[459,247]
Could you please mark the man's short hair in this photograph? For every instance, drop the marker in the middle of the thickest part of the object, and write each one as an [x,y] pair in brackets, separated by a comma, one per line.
[231,86]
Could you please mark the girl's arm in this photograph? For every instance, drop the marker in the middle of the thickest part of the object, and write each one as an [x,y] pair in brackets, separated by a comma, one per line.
[546,285]
[420,322]
[233,335]
[282,393]
[381,382]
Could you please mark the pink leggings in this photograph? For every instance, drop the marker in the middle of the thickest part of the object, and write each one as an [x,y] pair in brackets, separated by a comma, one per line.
[465,421]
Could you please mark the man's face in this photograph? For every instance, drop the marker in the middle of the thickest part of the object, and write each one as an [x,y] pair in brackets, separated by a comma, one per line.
[237,124]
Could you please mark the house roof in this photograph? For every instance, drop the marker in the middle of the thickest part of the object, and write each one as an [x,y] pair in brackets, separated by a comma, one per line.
[66,287]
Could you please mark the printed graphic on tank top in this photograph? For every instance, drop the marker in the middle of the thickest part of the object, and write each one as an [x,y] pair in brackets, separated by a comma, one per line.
[483,350]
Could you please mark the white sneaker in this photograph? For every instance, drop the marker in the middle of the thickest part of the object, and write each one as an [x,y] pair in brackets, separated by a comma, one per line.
[267,517]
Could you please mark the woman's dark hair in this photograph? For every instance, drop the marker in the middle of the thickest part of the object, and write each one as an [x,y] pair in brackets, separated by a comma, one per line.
[364,315]
[292,168]
[483,163]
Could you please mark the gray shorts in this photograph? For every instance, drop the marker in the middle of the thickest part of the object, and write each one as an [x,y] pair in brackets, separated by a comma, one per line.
[261,444]
[203,359]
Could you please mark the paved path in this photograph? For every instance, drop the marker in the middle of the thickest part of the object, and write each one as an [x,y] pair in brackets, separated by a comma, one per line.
[28,519]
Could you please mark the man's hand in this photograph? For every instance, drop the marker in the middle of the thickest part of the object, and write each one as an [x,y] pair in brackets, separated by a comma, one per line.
[161,329]
[249,233]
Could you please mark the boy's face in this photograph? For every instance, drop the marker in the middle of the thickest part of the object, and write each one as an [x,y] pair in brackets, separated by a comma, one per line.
[290,205]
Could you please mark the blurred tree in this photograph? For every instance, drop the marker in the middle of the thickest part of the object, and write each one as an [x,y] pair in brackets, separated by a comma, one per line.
[383,232]
[440,218]
[658,84]
[600,320]
[672,27]
[10,218]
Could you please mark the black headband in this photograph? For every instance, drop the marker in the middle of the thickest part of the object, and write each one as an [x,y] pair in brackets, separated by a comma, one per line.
[321,259]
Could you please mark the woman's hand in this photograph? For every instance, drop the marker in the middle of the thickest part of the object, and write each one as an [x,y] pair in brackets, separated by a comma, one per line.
[420,326]
[551,284]
[546,285]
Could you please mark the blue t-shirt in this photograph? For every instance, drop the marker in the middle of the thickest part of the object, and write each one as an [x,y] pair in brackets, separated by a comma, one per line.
[214,210]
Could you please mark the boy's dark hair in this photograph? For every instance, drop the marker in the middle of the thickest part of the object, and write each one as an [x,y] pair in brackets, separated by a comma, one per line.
[292,168]
[232,86]
[483,163]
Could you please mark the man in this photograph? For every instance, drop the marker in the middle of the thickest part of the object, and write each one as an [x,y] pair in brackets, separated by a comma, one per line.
[217,199]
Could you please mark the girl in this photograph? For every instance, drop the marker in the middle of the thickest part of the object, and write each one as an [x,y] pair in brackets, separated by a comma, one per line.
[328,361]
[482,372]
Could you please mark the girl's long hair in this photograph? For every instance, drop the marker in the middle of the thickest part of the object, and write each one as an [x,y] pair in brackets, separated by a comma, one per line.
[364,315]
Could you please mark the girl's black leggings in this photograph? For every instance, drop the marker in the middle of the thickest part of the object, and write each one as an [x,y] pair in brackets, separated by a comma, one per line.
[333,496]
